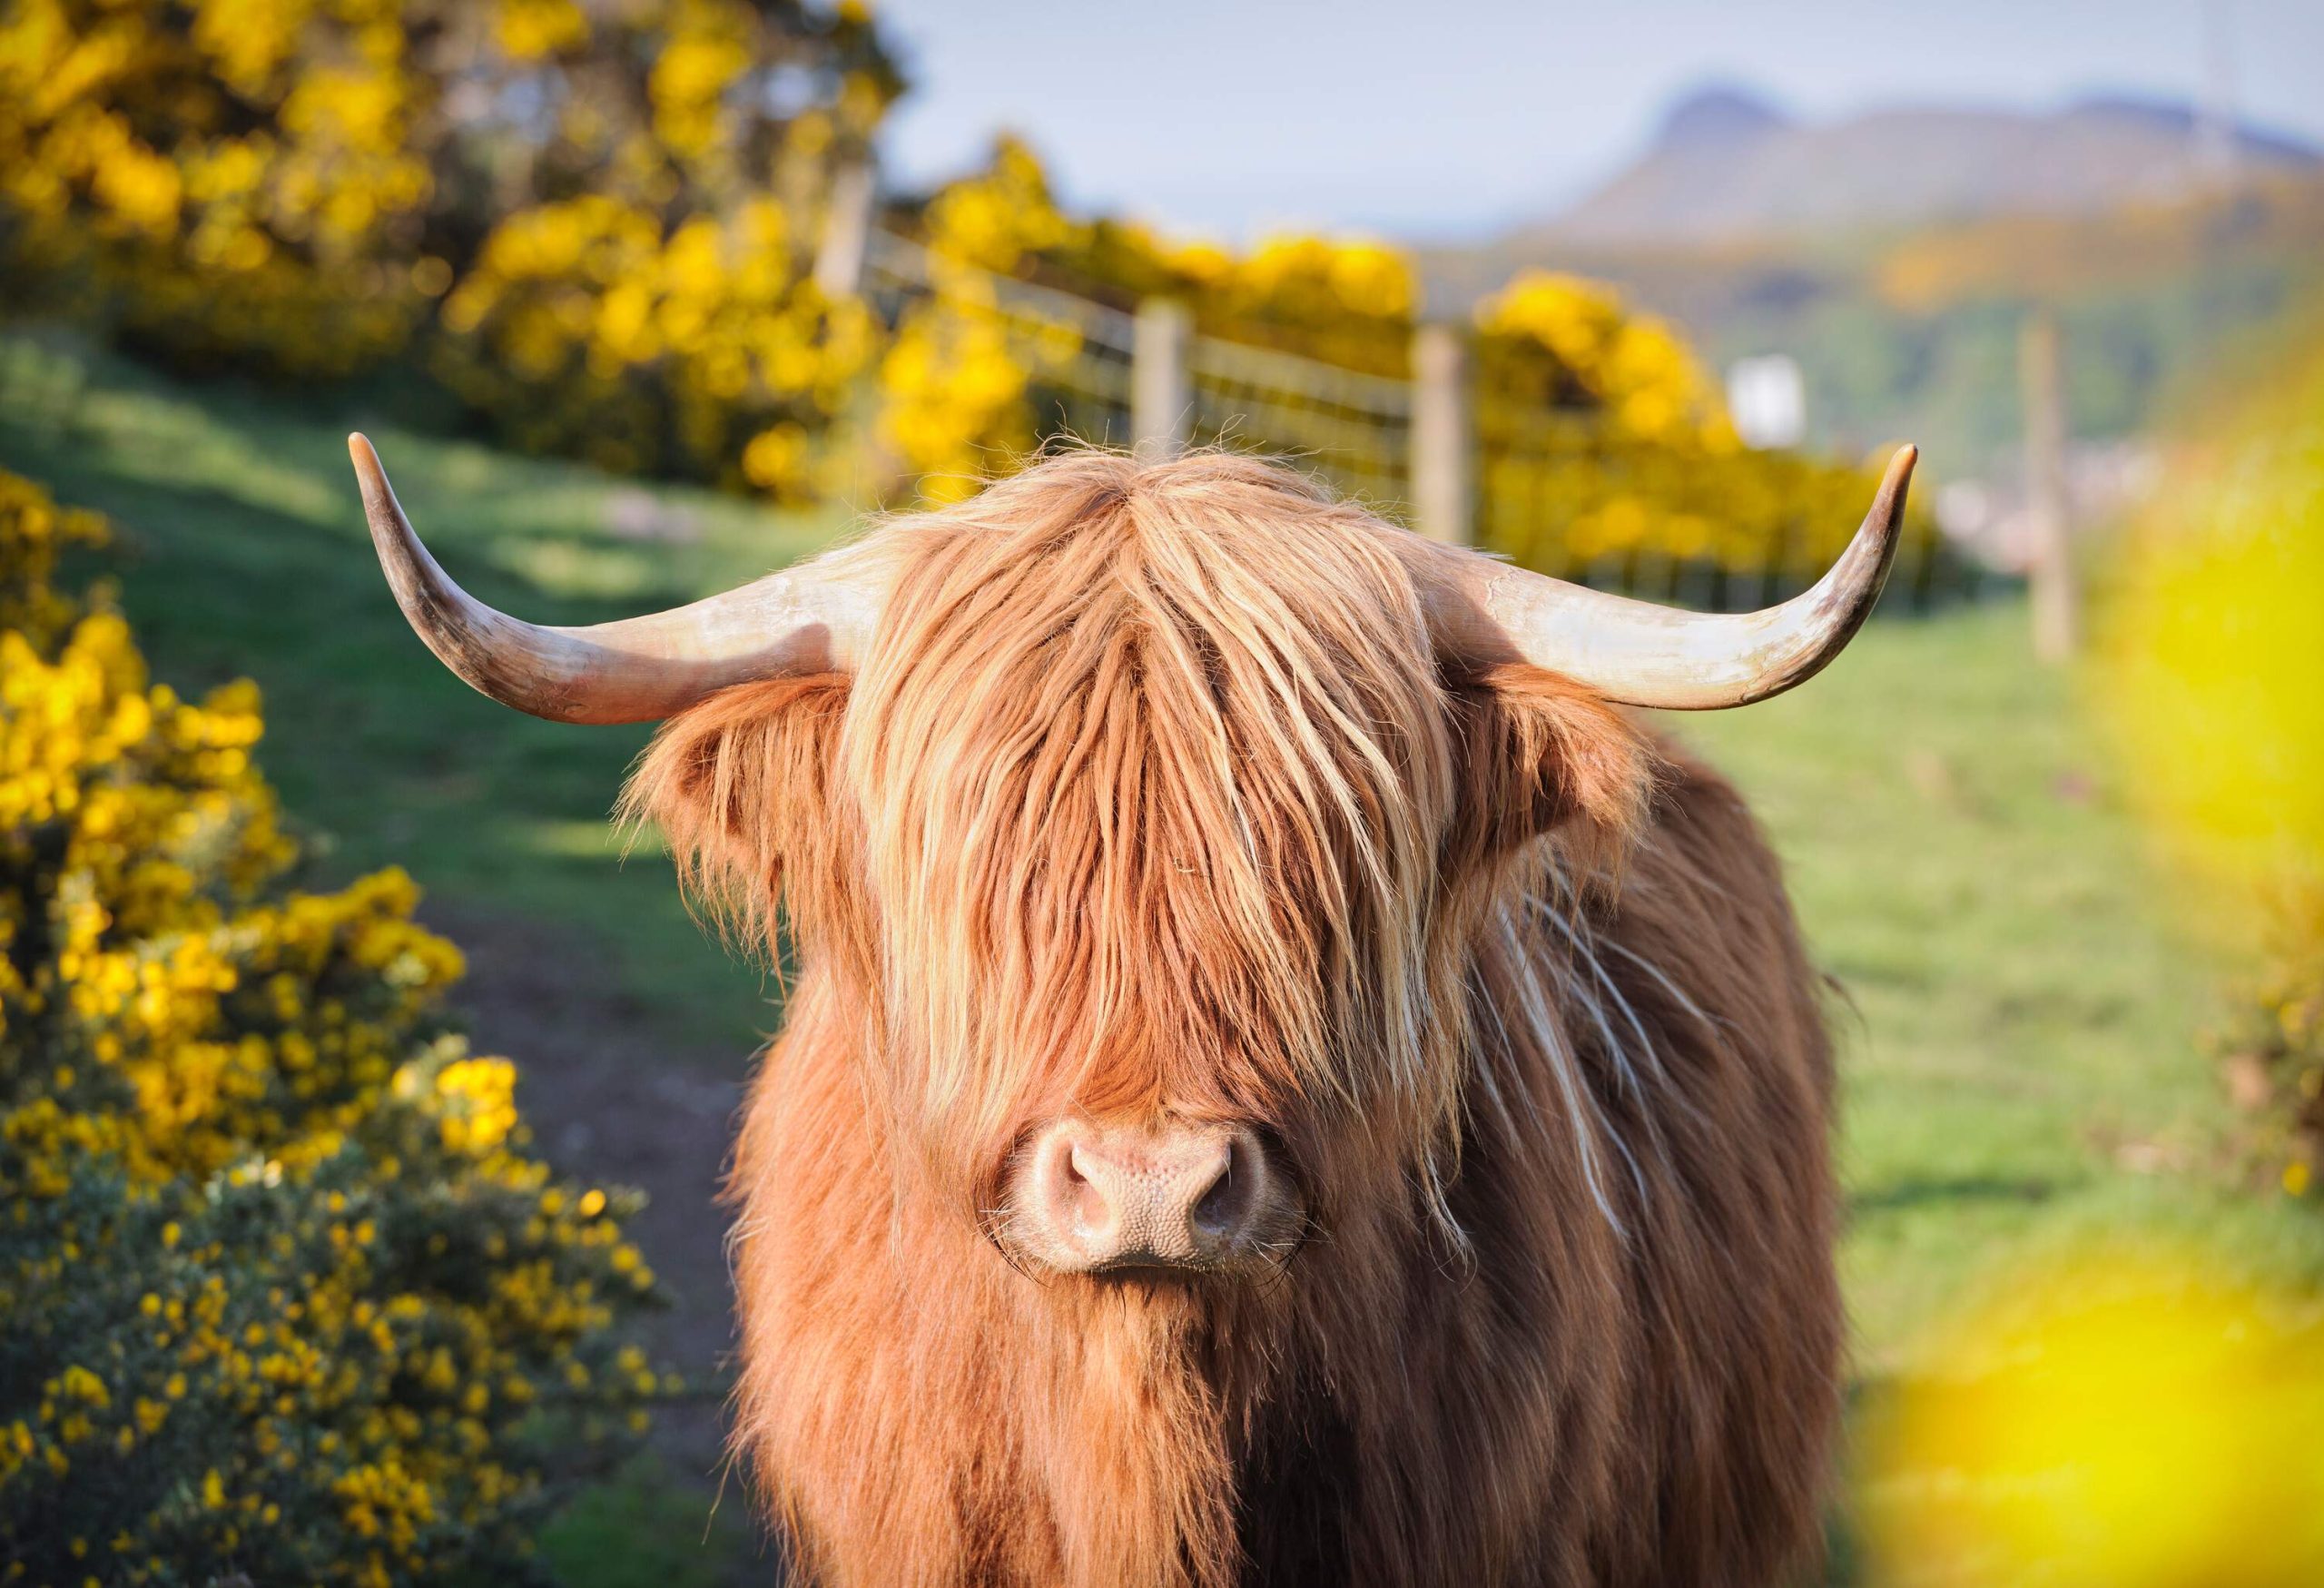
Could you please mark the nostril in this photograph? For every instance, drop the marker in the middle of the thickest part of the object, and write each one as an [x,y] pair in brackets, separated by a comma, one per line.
[1225,1206]
[1096,1199]
[1083,1197]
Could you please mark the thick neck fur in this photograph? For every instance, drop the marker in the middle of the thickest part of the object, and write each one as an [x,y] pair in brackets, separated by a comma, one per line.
[1160,799]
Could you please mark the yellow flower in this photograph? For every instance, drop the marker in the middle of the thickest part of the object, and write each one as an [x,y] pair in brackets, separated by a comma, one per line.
[2210,653]
[2137,1424]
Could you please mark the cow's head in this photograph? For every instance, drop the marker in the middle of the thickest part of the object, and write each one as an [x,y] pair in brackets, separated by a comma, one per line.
[1145,817]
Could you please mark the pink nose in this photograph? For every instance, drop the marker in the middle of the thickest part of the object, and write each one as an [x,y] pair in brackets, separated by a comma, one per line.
[1090,1198]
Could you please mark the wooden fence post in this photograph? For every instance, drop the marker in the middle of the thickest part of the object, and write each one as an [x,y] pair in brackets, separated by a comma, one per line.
[1161,389]
[2050,566]
[847,230]
[1440,436]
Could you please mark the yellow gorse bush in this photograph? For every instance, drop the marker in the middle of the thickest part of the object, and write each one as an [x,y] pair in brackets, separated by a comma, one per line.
[956,380]
[621,202]
[2206,672]
[961,388]
[223,179]
[2272,1049]
[38,533]
[281,1290]
[1602,438]
[2117,1421]
[694,349]
[2212,649]
[1599,434]
[595,227]
[1555,341]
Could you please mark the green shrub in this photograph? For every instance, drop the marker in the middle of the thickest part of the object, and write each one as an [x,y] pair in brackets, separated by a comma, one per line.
[283,1292]
[2272,1054]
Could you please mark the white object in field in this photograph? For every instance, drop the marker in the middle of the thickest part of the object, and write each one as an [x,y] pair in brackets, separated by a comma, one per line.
[1767,401]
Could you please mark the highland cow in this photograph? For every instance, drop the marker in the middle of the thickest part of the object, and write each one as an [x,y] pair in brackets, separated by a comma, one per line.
[1287,1081]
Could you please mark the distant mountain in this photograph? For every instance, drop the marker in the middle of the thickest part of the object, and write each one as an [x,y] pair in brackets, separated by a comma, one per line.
[1892,255]
[1725,164]
[1717,115]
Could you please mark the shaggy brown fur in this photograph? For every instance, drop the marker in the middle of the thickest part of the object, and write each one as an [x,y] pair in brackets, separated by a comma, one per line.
[1162,801]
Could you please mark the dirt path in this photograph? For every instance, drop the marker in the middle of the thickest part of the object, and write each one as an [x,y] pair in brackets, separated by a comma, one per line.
[611,1101]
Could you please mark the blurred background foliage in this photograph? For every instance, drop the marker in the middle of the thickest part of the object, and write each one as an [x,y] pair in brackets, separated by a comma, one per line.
[2124,1419]
[286,1292]
[2207,674]
[1910,327]
[593,230]
[1602,438]
[2145,1413]
[591,224]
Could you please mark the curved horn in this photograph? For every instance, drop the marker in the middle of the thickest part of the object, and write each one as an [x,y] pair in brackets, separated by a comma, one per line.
[638,669]
[1638,654]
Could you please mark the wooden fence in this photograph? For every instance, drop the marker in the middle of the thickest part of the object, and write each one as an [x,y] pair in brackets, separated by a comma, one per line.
[1412,448]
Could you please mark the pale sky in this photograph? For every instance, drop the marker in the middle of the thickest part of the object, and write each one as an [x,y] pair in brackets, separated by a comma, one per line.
[1452,117]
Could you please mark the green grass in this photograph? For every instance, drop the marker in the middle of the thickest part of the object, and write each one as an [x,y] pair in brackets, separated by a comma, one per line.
[647,1530]
[2020,1065]
[2020,1069]
[249,557]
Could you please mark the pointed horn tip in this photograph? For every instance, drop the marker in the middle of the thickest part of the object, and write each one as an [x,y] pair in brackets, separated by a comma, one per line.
[1896,484]
[369,472]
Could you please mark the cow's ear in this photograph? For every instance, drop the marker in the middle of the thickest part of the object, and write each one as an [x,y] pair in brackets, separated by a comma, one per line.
[741,787]
[1545,754]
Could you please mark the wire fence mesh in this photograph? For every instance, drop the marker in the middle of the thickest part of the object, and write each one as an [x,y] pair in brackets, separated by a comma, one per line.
[1079,351]
[1540,475]
[1548,484]
[1352,429]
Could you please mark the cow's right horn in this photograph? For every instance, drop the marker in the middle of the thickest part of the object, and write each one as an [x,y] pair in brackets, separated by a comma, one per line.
[638,669]
[1639,654]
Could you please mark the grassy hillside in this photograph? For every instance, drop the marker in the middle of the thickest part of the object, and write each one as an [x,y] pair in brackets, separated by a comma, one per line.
[2020,1068]
[247,555]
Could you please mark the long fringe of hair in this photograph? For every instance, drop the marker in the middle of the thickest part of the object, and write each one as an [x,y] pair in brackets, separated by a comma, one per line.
[1159,797]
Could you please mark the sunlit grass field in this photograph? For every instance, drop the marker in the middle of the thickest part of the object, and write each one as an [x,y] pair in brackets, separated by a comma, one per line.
[2020,1022]
[247,555]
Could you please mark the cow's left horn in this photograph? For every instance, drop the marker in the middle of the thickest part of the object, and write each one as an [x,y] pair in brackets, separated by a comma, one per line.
[639,669]
[1643,654]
